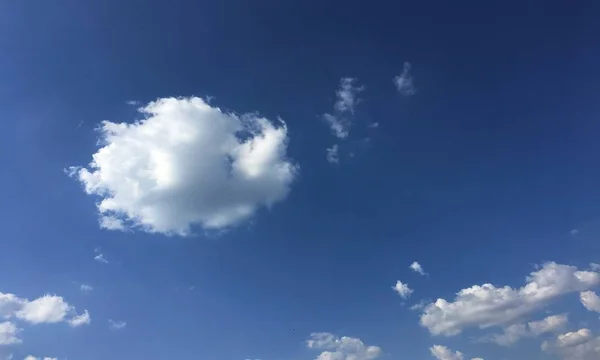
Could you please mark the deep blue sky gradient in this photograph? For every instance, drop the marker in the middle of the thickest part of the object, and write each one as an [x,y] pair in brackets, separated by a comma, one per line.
[479,175]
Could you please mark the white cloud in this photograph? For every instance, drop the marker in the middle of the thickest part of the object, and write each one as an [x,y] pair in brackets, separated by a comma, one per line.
[486,305]
[31,357]
[83,319]
[574,338]
[9,304]
[420,305]
[333,155]
[116,325]
[577,345]
[443,353]
[340,121]
[347,95]
[595,267]
[516,332]
[45,309]
[344,348]
[511,335]
[100,258]
[86,288]
[404,82]
[187,163]
[9,333]
[109,222]
[590,300]
[416,267]
[548,324]
[402,289]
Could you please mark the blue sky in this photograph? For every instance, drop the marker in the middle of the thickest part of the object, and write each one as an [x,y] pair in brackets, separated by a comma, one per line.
[284,165]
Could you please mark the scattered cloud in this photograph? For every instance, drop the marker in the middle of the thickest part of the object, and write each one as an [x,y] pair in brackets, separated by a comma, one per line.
[333,155]
[577,345]
[574,232]
[402,289]
[590,301]
[486,305]
[83,319]
[516,332]
[404,82]
[116,325]
[45,309]
[548,324]
[511,335]
[374,125]
[416,267]
[100,258]
[187,163]
[85,288]
[342,348]
[31,357]
[340,121]
[443,353]
[420,305]
[9,333]
[595,267]
[109,222]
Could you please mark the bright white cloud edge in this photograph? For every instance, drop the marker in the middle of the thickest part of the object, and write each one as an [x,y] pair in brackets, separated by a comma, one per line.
[342,348]
[402,289]
[187,163]
[486,305]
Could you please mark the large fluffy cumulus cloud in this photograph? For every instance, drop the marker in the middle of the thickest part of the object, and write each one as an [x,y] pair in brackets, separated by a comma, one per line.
[486,305]
[187,163]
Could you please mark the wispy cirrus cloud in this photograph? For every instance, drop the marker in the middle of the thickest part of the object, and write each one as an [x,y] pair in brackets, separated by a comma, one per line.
[116,324]
[404,82]
[340,120]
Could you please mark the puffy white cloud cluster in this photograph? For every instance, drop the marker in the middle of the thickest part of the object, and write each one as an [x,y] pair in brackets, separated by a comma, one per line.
[9,333]
[31,357]
[416,267]
[45,309]
[187,163]
[342,348]
[441,352]
[402,289]
[486,305]
[576,345]
[516,332]
[590,301]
